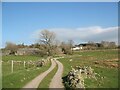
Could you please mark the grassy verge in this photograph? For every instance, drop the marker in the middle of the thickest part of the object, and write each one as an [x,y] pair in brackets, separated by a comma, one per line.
[87,58]
[46,81]
[19,78]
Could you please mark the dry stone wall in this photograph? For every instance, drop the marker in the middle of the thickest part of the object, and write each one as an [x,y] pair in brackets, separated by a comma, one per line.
[76,77]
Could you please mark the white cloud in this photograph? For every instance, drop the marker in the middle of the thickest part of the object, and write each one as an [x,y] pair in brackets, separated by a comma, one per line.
[94,33]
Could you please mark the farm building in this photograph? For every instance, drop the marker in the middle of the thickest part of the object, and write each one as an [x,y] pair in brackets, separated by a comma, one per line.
[27,51]
[76,48]
[89,46]
[86,46]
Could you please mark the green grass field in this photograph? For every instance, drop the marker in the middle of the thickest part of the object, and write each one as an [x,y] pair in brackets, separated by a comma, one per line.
[46,81]
[103,67]
[20,76]
[104,62]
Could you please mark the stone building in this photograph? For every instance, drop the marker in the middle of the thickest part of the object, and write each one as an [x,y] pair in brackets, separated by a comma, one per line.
[27,51]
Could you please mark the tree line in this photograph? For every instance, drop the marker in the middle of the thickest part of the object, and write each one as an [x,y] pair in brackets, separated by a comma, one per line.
[49,45]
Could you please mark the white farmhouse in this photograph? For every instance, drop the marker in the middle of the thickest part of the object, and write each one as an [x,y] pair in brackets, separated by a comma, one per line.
[76,48]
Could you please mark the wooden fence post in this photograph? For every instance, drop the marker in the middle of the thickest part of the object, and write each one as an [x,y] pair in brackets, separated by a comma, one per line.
[24,64]
[12,66]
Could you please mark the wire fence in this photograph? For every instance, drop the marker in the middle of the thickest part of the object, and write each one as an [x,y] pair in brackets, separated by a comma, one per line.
[13,65]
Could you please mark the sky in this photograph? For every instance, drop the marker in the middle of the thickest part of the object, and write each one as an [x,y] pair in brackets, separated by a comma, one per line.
[60,0]
[0,24]
[81,22]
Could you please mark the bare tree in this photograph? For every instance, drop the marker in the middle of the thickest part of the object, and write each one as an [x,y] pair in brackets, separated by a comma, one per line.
[47,38]
[112,45]
[70,45]
[67,47]
[11,46]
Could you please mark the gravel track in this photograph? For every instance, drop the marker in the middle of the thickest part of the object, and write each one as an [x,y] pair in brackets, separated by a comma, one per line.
[57,79]
[36,81]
